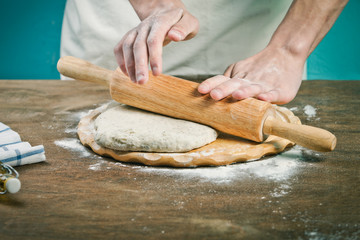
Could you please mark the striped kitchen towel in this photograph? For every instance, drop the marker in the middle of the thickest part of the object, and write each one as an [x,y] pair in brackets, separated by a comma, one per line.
[8,136]
[14,152]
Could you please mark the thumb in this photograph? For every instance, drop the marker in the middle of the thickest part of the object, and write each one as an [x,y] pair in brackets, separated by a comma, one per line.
[186,28]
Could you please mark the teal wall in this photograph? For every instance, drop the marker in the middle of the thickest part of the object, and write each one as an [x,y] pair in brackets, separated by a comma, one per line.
[30,38]
[30,41]
[337,56]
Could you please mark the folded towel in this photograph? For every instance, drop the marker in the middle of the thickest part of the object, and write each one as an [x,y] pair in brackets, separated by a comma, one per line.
[14,152]
[8,136]
[20,145]
[23,156]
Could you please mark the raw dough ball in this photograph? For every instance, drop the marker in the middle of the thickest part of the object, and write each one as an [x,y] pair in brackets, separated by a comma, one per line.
[125,128]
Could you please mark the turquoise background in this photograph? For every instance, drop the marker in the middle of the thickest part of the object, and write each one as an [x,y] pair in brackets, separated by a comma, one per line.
[337,55]
[30,42]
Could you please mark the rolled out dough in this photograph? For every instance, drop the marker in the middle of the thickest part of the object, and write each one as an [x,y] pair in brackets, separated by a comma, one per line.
[125,128]
[224,150]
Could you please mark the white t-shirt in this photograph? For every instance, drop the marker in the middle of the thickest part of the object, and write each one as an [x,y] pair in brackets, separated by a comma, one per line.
[230,30]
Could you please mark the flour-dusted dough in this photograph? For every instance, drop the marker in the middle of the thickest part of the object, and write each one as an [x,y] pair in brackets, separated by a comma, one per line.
[225,150]
[125,128]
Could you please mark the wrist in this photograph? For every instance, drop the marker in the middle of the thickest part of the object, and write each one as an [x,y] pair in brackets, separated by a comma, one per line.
[305,24]
[299,47]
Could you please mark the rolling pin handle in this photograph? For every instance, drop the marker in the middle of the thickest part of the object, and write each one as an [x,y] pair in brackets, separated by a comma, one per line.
[82,70]
[310,137]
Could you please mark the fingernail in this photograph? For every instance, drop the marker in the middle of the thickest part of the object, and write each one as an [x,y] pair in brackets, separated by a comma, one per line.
[139,78]
[204,88]
[216,94]
[155,71]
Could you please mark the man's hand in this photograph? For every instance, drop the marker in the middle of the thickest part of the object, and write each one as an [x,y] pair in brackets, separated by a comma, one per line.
[272,75]
[162,22]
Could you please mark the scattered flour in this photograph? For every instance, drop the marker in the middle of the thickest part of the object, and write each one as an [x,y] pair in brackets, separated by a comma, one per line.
[310,112]
[347,232]
[96,166]
[78,115]
[294,109]
[107,165]
[71,130]
[280,191]
[279,168]
[73,144]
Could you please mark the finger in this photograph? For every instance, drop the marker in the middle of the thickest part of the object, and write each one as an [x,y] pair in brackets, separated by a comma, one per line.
[156,39]
[186,28]
[229,70]
[225,89]
[271,96]
[155,44]
[119,55]
[210,83]
[248,91]
[276,96]
[129,55]
[141,56]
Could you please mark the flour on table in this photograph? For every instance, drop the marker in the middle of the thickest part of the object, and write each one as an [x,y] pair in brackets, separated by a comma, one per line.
[74,145]
[125,128]
[279,168]
[96,166]
[310,111]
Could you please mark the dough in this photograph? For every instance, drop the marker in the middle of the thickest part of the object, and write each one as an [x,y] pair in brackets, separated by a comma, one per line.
[125,128]
[224,151]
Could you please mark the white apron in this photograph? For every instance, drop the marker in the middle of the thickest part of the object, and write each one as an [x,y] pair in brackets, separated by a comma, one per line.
[230,30]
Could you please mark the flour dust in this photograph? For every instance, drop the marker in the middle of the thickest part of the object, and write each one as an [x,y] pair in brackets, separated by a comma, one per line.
[309,111]
[74,145]
[278,168]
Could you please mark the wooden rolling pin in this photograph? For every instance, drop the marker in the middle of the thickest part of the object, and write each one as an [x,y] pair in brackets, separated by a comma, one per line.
[249,118]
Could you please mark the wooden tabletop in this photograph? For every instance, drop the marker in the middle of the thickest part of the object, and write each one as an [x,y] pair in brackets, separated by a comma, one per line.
[77,194]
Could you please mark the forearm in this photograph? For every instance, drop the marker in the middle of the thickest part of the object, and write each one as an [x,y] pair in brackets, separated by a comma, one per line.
[305,25]
[145,8]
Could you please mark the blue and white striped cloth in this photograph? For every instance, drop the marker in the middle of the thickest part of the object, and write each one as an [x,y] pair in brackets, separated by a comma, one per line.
[14,152]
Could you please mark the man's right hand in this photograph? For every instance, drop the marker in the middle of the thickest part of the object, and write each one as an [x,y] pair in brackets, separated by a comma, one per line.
[161,22]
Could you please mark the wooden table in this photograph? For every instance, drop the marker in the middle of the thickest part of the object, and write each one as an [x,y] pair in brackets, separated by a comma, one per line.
[76,194]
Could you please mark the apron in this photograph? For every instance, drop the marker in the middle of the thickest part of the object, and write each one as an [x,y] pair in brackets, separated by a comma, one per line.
[230,30]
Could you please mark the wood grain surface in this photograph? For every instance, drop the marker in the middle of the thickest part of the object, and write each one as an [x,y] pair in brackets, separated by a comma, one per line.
[77,194]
